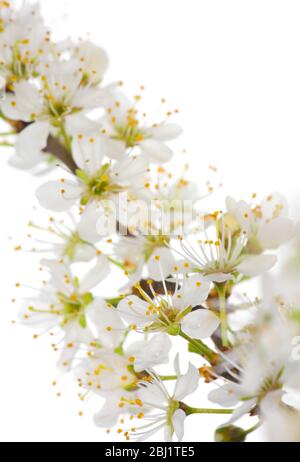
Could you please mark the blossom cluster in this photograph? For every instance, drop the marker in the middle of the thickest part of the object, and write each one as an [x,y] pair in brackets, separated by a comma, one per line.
[118,208]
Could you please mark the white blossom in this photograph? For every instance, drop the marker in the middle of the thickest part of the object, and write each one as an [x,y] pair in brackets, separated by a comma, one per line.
[171,313]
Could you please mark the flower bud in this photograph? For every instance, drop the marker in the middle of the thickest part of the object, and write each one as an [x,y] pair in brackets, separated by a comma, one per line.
[230,434]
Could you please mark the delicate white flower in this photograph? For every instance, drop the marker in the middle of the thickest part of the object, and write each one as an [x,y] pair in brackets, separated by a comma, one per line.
[171,313]
[223,255]
[126,129]
[109,374]
[22,50]
[167,415]
[66,306]
[106,371]
[267,224]
[97,181]
[64,238]
[259,366]
[57,105]
[115,374]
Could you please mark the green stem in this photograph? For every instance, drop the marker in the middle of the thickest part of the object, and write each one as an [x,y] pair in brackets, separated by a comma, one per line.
[120,349]
[7,133]
[116,263]
[201,348]
[5,144]
[252,429]
[168,377]
[196,410]
[221,289]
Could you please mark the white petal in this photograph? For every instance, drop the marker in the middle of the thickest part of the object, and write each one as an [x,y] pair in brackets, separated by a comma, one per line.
[178,423]
[23,104]
[74,336]
[89,97]
[242,410]
[119,110]
[194,292]
[165,132]
[105,218]
[108,323]
[84,252]
[108,416]
[128,170]
[276,232]
[187,384]
[200,324]
[88,152]
[240,211]
[94,276]
[253,265]
[177,365]
[168,436]
[87,226]
[58,196]
[156,151]
[274,203]
[292,398]
[58,270]
[37,319]
[219,277]
[161,264]
[114,149]
[281,422]
[78,123]
[66,358]
[153,352]
[155,395]
[31,141]
[228,395]
[95,60]
[133,310]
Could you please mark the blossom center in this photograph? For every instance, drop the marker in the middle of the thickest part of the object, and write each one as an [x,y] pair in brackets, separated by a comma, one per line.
[74,306]
[130,132]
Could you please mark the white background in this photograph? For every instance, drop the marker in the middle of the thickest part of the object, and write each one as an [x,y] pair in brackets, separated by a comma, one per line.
[233,69]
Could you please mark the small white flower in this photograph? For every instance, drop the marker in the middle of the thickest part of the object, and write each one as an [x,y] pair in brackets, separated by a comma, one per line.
[223,256]
[109,375]
[267,224]
[64,239]
[171,313]
[126,129]
[259,366]
[97,182]
[58,104]
[167,415]
[66,306]
[115,374]
[23,49]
